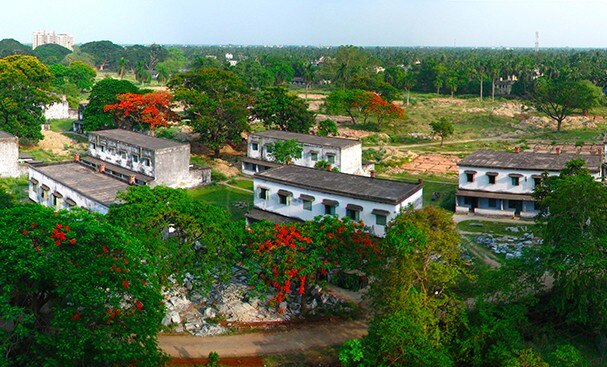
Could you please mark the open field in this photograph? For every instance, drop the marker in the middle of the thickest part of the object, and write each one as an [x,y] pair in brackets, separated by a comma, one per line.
[235,200]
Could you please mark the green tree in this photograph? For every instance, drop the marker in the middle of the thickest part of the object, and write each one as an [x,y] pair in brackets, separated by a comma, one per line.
[181,235]
[104,93]
[286,151]
[9,46]
[51,53]
[80,56]
[573,218]
[25,87]
[254,74]
[105,53]
[417,313]
[559,98]
[345,101]
[327,127]
[75,291]
[443,128]
[277,108]
[216,103]
[82,75]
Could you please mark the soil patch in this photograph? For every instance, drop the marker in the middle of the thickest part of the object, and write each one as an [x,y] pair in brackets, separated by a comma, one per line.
[428,163]
[59,144]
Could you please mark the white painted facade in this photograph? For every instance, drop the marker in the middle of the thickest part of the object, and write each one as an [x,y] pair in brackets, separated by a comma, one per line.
[46,197]
[295,206]
[60,110]
[503,185]
[9,157]
[347,159]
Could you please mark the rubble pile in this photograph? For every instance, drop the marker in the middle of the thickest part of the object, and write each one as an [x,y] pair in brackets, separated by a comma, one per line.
[509,246]
[233,302]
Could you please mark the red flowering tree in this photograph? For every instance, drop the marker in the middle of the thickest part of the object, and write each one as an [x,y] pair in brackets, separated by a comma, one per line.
[289,259]
[75,291]
[151,110]
[382,109]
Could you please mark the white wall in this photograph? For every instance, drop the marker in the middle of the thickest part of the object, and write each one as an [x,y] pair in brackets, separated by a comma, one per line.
[81,201]
[9,155]
[347,160]
[128,163]
[295,208]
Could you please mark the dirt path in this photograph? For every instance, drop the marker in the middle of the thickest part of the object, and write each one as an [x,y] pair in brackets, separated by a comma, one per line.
[297,340]
[407,146]
[483,254]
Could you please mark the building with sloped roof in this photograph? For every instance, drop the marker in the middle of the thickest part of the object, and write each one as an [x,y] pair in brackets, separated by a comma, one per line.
[302,193]
[502,183]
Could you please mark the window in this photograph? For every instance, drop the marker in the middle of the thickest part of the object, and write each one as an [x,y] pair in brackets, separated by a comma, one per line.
[491,179]
[329,210]
[307,205]
[123,154]
[147,162]
[263,193]
[269,149]
[314,156]
[93,146]
[102,147]
[469,177]
[283,199]
[353,214]
[492,203]
[112,151]
[380,219]
[136,158]
[515,181]
[331,158]
[537,181]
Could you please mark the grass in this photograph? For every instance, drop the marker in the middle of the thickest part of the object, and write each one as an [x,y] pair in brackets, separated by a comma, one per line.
[43,155]
[327,356]
[243,183]
[238,202]
[61,125]
[17,187]
[496,228]
[444,185]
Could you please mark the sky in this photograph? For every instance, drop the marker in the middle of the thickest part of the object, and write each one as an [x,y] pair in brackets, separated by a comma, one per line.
[463,23]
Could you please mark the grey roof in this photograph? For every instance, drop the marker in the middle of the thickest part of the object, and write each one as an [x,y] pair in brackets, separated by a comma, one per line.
[5,135]
[308,139]
[137,139]
[528,160]
[360,187]
[96,186]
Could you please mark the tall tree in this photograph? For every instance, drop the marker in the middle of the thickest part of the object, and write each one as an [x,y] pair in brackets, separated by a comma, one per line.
[216,103]
[277,108]
[25,87]
[286,151]
[443,128]
[104,93]
[105,53]
[75,291]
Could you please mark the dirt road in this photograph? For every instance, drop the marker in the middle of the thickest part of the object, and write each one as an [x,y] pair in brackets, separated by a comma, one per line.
[297,340]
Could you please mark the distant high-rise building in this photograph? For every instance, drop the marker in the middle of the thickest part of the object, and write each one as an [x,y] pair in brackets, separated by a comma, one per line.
[42,38]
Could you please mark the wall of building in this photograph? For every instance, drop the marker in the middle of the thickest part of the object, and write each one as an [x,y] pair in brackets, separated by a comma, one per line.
[35,194]
[347,160]
[9,156]
[503,182]
[101,148]
[60,110]
[295,207]
[172,165]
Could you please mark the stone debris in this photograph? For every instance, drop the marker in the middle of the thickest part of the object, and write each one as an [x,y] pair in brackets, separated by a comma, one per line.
[510,247]
[233,302]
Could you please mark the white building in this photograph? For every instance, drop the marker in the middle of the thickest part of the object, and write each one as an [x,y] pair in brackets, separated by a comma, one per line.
[343,154]
[119,158]
[9,155]
[71,184]
[292,193]
[502,183]
[42,38]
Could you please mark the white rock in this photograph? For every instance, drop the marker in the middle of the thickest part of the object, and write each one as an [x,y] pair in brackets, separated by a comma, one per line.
[175,318]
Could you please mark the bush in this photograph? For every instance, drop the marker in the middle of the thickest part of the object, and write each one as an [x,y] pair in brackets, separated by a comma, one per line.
[351,353]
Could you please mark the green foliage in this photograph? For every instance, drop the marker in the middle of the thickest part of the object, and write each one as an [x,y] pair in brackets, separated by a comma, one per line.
[51,53]
[9,46]
[182,235]
[213,359]
[105,93]
[105,53]
[254,74]
[278,109]
[327,127]
[25,87]
[75,290]
[527,358]
[443,128]
[567,355]
[345,101]
[286,151]
[573,250]
[351,353]
[82,75]
[216,103]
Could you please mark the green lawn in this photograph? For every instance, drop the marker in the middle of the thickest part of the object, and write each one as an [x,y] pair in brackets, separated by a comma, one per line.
[61,125]
[238,202]
[15,186]
[444,185]
[244,183]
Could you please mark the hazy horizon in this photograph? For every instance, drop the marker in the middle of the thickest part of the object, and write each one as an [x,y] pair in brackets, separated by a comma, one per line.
[383,23]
